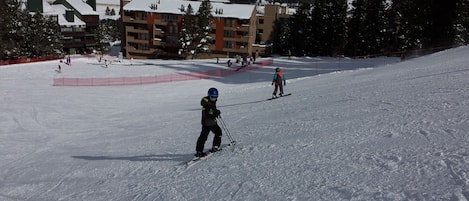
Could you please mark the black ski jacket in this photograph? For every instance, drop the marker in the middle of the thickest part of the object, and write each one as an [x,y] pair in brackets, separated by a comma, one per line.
[209,111]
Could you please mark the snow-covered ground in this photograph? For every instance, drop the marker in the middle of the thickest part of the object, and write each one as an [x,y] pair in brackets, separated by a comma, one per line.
[398,131]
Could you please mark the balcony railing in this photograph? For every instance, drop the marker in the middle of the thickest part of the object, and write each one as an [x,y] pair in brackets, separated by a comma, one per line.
[134,30]
[131,19]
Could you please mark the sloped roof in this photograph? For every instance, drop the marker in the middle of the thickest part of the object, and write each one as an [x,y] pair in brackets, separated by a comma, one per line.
[239,11]
[60,9]
[82,7]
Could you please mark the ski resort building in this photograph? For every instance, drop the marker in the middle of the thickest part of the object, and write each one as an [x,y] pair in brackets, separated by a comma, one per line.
[78,22]
[152,30]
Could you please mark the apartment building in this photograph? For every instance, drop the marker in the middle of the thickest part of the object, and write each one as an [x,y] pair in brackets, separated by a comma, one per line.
[267,16]
[152,28]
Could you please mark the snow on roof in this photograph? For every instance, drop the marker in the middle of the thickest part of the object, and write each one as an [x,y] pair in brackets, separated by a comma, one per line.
[60,9]
[82,7]
[108,2]
[47,9]
[101,9]
[239,11]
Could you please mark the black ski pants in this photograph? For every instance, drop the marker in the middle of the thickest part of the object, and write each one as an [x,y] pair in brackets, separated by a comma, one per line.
[204,135]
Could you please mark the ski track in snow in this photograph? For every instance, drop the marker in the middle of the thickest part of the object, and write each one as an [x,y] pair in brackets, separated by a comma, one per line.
[397,132]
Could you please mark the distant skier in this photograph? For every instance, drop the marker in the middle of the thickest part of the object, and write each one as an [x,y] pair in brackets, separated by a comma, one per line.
[69,60]
[279,81]
[209,123]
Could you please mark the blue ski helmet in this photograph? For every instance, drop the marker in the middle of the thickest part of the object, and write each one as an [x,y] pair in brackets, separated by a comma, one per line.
[213,92]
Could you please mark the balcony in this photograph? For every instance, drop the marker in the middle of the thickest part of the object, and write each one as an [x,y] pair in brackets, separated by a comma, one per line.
[133,50]
[157,42]
[128,19]
[160,22]
[136,40]
[158,32]
[134,30]
[242,28]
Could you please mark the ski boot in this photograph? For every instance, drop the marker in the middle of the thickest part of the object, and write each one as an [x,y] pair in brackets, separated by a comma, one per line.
[215,149]
[200,154]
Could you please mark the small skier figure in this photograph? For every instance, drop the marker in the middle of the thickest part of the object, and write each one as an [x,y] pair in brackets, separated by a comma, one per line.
[59,70]
[209,123]
[69,60]
[278,80]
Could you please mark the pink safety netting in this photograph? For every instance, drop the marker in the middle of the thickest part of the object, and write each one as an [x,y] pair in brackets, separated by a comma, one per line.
[116,81]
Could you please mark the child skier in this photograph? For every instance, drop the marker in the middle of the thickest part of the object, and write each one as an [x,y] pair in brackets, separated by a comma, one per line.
[278,80]
[209,123]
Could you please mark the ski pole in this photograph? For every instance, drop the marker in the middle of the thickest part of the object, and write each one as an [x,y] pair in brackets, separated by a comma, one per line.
[223,125]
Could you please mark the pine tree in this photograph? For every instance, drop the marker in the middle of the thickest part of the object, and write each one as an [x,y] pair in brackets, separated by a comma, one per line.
[336,23]
[188,31]
[26,34]
[10,23]
[301,26]
[328,19]
[355,26]
[281,36]
[392,26]
[54,37]
[373,30]
[414,22]
[103,37]
[203,29]
[442,32]
[462,23]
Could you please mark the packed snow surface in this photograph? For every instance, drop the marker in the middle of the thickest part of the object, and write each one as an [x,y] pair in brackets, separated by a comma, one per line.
[374,129]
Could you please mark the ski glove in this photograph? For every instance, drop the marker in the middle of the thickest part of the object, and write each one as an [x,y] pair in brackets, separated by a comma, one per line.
[216,113]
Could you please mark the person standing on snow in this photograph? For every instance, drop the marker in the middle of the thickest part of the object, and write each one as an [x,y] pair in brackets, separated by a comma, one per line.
[209,123]
[279,81]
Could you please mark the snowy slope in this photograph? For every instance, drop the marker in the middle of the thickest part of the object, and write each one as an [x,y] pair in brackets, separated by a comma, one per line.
[396,132]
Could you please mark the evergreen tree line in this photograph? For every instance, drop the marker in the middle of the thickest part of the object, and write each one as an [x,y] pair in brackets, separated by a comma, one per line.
[25,34]
[372,27]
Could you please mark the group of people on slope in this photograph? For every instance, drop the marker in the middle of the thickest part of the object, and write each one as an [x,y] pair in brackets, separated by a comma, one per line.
[210,113]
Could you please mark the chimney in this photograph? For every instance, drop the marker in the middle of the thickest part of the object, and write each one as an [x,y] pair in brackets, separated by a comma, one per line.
[92,3]
[34,6]
[69,15]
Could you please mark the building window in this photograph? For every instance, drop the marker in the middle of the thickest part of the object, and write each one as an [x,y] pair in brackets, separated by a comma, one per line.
[229,22]
[170,18]
[243,22]
[261,31]
[141,16]
[228,44]
[144,36]
[144,46]
[261,21]
[228,34]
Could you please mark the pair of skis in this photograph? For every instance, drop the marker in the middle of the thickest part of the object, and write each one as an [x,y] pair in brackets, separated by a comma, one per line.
[209,154]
